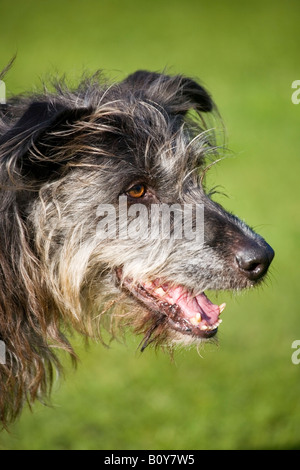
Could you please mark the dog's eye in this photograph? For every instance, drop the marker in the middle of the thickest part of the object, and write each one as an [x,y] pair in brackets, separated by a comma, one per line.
[137,191]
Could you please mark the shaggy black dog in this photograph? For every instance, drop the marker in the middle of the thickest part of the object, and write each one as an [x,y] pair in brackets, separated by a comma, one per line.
[104,219]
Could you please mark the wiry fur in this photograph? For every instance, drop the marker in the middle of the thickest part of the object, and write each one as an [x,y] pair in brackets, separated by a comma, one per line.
[62,154]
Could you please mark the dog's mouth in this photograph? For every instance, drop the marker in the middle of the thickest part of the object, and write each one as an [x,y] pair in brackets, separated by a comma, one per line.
[184,312]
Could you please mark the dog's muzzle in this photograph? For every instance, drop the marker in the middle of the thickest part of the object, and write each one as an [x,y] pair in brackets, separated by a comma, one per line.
[196,315]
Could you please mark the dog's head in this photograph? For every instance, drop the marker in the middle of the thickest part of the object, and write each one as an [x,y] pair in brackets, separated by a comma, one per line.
[104,210]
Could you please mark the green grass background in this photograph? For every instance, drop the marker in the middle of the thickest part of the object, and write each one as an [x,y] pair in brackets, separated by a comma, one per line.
[243,393]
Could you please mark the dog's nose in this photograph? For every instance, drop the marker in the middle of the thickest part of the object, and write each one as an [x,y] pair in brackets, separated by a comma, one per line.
[254,259]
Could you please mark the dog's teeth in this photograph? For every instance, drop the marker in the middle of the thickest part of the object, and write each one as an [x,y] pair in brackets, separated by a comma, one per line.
[196,319]
[210,327]
[222,307]
[148,285]
[159,291]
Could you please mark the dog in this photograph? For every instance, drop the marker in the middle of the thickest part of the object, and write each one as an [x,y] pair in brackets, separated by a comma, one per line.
[83,172]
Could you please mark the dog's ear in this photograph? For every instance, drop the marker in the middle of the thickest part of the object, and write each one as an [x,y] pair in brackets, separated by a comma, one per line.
[178,94]
[36,119]
[30,132]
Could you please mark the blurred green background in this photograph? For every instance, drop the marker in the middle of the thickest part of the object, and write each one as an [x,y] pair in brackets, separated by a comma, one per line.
[243,393]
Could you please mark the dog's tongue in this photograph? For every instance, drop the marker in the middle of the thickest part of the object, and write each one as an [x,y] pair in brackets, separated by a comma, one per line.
[193,306]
